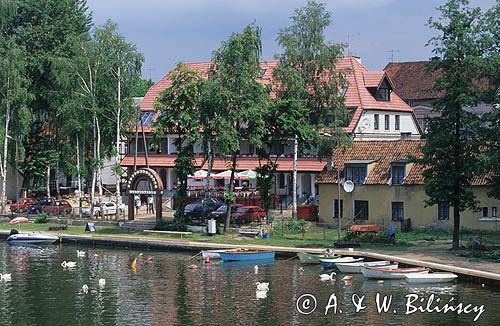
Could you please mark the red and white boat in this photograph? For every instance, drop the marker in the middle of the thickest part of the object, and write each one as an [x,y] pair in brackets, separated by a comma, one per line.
[390,273]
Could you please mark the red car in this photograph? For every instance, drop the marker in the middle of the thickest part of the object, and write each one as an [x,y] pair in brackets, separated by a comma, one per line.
[58,207]
[22,204]
[247,214]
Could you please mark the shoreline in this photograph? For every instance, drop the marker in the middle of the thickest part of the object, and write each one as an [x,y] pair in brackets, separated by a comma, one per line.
[131,242]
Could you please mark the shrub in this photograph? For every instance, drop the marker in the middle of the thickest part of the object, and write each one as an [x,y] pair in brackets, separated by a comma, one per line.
[290,226]
[175,225]
[42,217]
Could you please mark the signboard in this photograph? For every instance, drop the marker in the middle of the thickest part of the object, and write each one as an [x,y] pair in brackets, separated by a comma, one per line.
[143,192]
[90,227]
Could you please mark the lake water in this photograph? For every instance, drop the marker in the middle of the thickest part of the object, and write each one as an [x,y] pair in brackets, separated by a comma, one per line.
[167,292]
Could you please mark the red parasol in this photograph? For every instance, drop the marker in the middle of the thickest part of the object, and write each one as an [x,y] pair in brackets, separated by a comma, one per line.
[19,220]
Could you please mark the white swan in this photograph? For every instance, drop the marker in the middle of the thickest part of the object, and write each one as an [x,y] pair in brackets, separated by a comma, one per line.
[102,282]
[326,277]
[80,254]
[260,294]
[85,288]
[256,269]
[68,264]
[262,286]
[5,277]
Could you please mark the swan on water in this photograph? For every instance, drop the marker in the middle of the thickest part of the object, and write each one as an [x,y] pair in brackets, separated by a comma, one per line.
[5,277]
[326,277]
[102,282]
[85,288]
[262,286]
[80,254]
[260,294]
[68,264]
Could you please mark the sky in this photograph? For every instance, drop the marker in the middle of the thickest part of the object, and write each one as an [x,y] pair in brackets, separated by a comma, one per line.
[171,31]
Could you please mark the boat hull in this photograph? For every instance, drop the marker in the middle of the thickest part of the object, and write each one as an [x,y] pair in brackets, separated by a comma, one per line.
[212,254]
[355,268]
[383,273]
[246,256]
[331,263]
[38,238]
[312,259]
[430,278]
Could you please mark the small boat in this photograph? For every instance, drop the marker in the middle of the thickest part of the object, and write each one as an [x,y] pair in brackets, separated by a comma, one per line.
[306,258]
[330,263]
[390,273]
[246,255]
[31,237]
[355,268]
[430,278]
[212,254]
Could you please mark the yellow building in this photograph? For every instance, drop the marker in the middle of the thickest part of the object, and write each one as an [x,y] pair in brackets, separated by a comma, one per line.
[389,188]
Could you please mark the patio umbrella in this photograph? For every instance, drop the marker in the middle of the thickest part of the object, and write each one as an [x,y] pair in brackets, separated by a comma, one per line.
[18,220]
[200,174]
[250,174]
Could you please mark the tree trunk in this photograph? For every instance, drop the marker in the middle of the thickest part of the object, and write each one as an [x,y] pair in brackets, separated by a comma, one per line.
[92,188]
[4,157]
[209,172]
[117,157]
[98,170]
[48,181]
[78,177]
[456,227]
[229,201]
[294,190]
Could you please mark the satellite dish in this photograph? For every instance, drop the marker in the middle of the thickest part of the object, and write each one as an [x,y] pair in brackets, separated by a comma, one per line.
[348,186]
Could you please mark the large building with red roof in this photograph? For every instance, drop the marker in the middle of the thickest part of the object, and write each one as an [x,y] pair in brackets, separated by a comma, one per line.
[376,113]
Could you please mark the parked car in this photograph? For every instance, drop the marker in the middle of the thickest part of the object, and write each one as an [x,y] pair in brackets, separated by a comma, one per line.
[58,207]
[22,204]
[107,208]
[247,214]
[199,210]
[220,213]
[38,207]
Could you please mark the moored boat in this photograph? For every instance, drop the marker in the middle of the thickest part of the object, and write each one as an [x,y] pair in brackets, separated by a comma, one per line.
[307,258]
[246,255]
[355,268]
[420,278]
[31,237]
[212,254]
[330,263]
[390,273]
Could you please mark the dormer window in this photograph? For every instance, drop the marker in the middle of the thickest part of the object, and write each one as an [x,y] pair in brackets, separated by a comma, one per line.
[262,72]
[398,172]
[383,94]
[357,170]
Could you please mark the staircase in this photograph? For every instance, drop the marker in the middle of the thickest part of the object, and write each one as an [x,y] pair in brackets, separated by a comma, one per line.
[137,225]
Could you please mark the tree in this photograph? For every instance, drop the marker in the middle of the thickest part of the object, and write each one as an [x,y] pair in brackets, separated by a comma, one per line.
[242,100]
[141,87]
[180,115]
[307,74]
[14,95]
[451,153]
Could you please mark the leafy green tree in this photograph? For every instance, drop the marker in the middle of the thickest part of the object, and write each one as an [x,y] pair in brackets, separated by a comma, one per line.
[451,149]
[242,100]
[307,74]
[141,87]
[180,115]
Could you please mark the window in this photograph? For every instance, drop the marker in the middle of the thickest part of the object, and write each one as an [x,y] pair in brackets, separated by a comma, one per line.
[376,125]
[405,135]
[397,173]
[281,180]
[493,211]
[396,122]
[360,210]
[485,211]
[398,213]
[356,173]
[443,211]
[383,94]
[336,208]
[387,122]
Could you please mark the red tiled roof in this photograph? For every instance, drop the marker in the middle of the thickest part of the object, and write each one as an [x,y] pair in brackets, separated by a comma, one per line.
[357,96]
[382,153]
[285,164]
[412,80]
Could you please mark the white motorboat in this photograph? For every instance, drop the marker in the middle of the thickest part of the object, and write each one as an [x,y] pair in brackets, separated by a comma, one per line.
[355,268]
[31,237]
[382,273]
[430,278]
[212,254]
[330,263]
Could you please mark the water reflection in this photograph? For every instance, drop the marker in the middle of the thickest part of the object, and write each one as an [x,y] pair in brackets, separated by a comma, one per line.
[163,291]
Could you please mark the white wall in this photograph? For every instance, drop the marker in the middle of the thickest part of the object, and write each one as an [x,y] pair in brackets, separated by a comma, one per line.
[365,130]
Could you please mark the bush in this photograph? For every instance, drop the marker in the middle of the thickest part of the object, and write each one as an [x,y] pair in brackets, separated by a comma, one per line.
[368,237]
[290,226]
[42,217]
[175,225]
